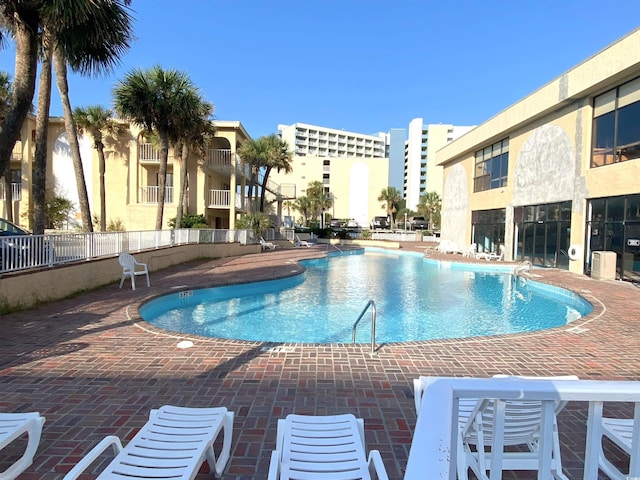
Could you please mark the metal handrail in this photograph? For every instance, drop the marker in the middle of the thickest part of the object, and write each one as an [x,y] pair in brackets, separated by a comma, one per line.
[372,304]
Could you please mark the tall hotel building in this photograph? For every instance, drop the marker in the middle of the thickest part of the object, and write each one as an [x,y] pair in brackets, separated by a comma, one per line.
[354,168]
[421,174]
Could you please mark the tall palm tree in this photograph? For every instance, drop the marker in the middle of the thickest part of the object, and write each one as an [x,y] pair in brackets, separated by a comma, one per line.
[98,121]
[22,21]
[193,134]
[430,203]
[154,99]
[5,102]
[391,198]
[39,175]
[279,157]
[91,34]
[253,152]
[320,200]
[266,153]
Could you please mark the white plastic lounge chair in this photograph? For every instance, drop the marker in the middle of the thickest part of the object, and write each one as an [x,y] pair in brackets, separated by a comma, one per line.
[492,255]
[301,243]
[267,245]
[14,426]
[470,251]
[132,268]
[620,432]
[325,448]
[522,428]
[173,444]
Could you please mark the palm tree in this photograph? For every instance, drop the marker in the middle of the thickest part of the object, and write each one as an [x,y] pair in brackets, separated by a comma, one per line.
[98,121]
[253,152]
[89,34]
[194,133]
[278,157]
[157,100]
[391,198]
[5,102]
[22,21]
[303,205]
[430,203]
[320,200]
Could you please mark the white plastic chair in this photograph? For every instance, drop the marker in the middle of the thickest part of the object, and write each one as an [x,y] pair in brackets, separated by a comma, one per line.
[266,245]
[301,243]
[620,432]
[174,443]
[328,447]
[14,426]
[132,268]
[522,427]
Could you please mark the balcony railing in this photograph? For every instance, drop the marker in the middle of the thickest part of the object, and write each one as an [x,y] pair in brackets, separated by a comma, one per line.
[222,159]
[149,153]
[150,194]
[16,191]
[222,199]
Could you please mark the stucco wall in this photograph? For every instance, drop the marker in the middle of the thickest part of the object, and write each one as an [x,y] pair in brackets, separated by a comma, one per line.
[26,289]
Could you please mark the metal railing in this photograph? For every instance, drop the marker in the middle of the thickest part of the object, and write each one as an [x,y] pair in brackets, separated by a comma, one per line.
[24,252]
[371,304]
[434,446]
[150,193]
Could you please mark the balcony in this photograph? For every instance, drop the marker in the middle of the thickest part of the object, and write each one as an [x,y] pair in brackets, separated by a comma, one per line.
[16,191]
[222,199]
[223,161]
[149,154]
[149,194]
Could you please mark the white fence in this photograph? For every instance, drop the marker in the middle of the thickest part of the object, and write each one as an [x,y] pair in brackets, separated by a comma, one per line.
[434,446]
[22,252]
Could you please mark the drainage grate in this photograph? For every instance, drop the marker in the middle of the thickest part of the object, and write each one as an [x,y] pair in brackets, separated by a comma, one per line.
[578,330]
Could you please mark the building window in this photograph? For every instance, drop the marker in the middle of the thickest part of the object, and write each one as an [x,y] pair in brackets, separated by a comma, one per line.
[488,228]
[616,125]
[492,167]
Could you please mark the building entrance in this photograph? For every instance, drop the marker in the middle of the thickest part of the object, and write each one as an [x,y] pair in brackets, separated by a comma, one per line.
[544,233]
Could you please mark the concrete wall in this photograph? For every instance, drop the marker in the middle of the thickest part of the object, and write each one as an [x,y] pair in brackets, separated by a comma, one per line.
[24,290]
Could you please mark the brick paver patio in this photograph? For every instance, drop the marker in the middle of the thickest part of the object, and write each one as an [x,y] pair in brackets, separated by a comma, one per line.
[93,368]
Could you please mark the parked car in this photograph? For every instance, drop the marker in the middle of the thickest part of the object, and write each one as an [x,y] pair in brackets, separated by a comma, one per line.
[337,223]
[379,223]
[419,223]
[20,249]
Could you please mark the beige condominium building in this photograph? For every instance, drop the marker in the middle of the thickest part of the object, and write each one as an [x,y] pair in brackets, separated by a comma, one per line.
[353,168]
[554,178]
[216,179]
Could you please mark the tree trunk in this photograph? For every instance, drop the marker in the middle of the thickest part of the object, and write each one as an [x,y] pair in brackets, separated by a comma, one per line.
[24,85]
[182,184]
[60,66]
[263,193]
[8,193]
[103,194]
[162,176]
[39,178]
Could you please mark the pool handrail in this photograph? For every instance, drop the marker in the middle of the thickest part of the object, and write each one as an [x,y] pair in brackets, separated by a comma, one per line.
[371,304]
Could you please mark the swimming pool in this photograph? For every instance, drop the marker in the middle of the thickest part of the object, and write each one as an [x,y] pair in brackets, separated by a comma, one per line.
[415,300]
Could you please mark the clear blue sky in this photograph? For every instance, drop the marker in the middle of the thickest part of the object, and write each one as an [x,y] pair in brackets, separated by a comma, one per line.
[361,65]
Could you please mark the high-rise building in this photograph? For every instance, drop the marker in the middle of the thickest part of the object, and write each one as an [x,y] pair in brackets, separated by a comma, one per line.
[352,167]
[421,174]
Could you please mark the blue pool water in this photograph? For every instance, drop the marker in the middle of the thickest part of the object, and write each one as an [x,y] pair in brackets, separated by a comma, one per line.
[416,300]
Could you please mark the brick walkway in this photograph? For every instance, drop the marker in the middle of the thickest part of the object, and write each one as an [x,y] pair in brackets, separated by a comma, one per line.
[93,368]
